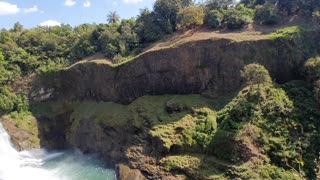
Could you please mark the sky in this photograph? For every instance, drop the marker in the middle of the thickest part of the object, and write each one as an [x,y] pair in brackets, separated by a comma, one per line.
[33,13]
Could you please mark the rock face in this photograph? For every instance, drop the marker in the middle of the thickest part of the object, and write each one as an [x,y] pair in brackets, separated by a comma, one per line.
[208,66]
[111,142]
[126,173]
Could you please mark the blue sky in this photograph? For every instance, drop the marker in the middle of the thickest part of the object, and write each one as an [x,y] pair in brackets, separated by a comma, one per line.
[32,13]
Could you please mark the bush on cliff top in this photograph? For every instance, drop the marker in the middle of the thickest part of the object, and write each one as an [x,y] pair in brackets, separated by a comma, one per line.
[239,16]
[312,69]
[214,18]
[312,73]
[256,74]
[191,17]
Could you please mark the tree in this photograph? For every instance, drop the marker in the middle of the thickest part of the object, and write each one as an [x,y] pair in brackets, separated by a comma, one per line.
[109,40]
[312,73]
[218,4]
[267,14]
[83,48]
[256,74]
[166,12]
[312,69]
[113,18]
[316,16]
[148,28]
[214,18]
[317,91]
[191,16]
[6,99]
[253,3]
[4,73]
[239,16]
[17,27]
[128,36]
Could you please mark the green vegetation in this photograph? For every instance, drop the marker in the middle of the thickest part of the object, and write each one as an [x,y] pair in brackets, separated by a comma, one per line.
[27,125]
[215,18]
[289,32]
[312,69]
[198,166]
[267,15]
[238,16]
[191,16]
[256,74]
[312,73]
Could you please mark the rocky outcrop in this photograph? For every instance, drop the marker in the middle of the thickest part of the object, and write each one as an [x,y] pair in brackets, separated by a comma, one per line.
[111,142]
[23,132]
[208,66]
[126,173]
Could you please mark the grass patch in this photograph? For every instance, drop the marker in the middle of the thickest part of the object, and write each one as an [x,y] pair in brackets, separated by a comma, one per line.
[288,32]
[196,166]
[106,113]
[26,123]
[261,170]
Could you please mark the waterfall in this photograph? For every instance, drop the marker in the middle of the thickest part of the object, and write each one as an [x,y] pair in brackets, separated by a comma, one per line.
[39,164]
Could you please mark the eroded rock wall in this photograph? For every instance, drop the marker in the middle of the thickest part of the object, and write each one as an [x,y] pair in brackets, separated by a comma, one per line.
[208,66]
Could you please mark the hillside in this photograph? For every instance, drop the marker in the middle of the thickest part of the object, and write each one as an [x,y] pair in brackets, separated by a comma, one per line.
[219,128]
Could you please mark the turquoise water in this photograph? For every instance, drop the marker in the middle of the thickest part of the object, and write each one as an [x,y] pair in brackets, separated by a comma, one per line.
[39,164]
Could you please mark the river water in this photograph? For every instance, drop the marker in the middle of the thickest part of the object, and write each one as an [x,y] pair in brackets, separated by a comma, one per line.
[42,165]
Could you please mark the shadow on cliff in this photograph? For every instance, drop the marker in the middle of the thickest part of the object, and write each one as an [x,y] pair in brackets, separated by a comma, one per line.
[53,121]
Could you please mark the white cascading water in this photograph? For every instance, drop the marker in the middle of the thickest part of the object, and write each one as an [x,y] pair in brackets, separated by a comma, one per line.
[41,165]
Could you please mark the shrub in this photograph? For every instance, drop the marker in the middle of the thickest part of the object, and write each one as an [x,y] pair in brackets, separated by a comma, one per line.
[312,69]
[239,16]
[256,74]
[267,15]
[289,32]
[7,100]
[214,18]
[316,16]
[317,91]
[148,29]
[21,103]
[190,17]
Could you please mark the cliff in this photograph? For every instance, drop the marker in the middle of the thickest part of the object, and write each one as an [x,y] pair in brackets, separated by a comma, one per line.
[211,67]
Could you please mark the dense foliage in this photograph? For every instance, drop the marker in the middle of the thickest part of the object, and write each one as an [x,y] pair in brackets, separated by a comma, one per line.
[267,15]
[190,17]
[272,118]
[312,72]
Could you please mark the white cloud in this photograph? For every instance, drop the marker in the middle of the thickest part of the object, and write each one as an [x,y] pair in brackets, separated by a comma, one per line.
[31,10]
[7,8]
[132,1]
[87,4]
[50,23]
[70,2]
[114,3]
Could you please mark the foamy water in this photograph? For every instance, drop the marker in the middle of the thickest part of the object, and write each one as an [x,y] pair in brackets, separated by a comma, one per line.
[39,164]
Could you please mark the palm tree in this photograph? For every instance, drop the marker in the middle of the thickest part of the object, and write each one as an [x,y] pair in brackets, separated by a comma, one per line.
[113,17]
